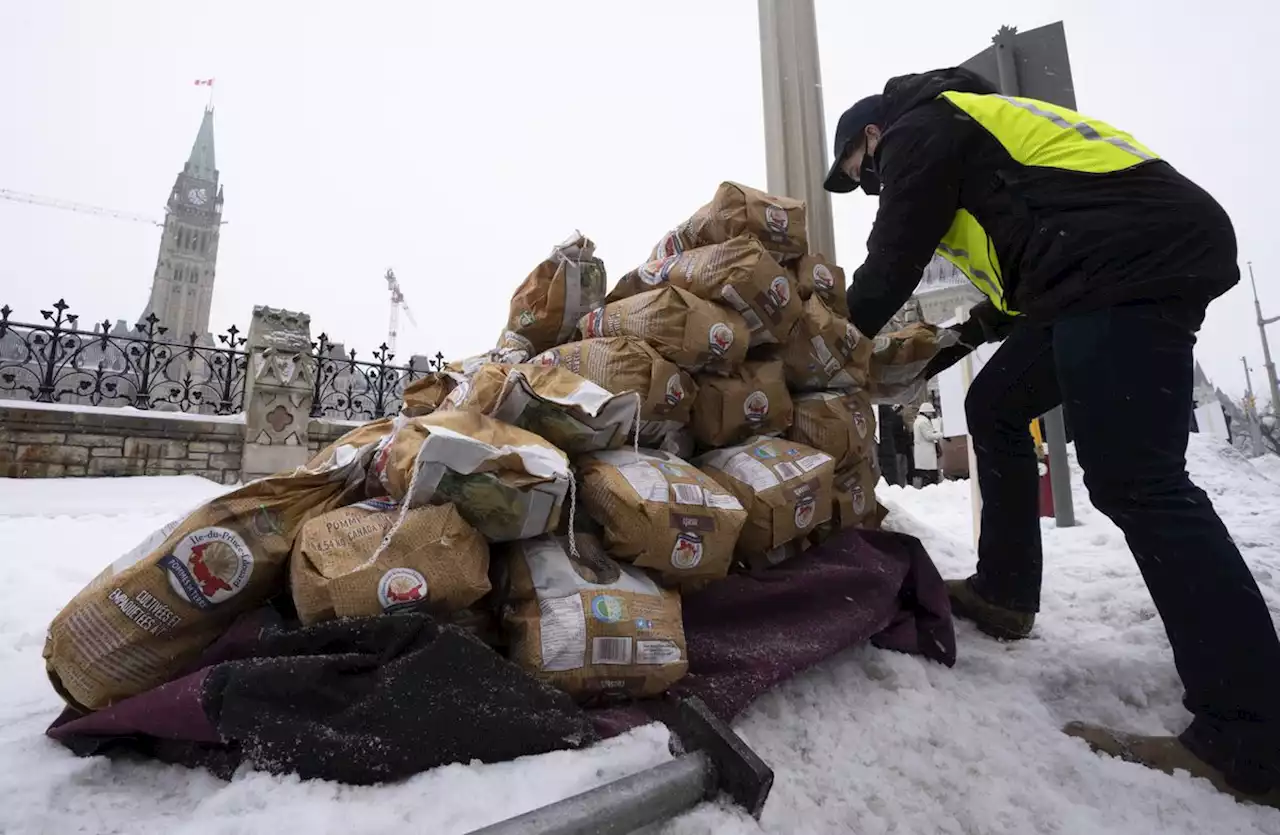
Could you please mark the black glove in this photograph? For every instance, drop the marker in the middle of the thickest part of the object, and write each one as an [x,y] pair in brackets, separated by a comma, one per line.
[985,324]
[947,357]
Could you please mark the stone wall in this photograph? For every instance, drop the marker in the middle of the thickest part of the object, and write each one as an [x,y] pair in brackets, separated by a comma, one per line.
[324,432]
[48,441]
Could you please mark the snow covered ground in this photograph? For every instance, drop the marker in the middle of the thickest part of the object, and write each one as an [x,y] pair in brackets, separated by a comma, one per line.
[872,742]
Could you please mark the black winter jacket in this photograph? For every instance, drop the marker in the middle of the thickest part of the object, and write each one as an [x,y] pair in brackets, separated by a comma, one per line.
[1066,241]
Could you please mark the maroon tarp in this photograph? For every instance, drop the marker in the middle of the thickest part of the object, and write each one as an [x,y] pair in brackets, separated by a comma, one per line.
[318,700]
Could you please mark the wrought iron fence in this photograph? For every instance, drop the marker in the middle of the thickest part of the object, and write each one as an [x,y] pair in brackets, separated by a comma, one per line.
[351,389]
[55,362]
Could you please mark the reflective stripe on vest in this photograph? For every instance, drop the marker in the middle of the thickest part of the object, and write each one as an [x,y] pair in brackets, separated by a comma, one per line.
[1045,135]
[967,246]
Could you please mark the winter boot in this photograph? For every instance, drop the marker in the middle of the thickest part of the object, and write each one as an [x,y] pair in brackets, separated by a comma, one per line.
[996,621]
[1163,753]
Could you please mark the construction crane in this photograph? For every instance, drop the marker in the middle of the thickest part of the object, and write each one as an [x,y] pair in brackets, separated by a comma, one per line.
[397,302]
[67,205]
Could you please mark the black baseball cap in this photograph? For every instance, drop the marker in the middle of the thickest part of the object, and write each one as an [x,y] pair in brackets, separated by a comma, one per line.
[849,131]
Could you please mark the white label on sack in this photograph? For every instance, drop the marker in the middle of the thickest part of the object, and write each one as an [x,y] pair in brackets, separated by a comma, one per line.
[610,650]
[735,300]
[823,353]
[750,472]
[564,633]
[648,483]
[786,470]
[688,494]
[723,501]
[148,545]
[842,380]
[812,462]
[657,652]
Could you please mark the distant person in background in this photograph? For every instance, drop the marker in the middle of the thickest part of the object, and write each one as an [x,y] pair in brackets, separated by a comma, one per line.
[887,448]
[903,443]
[925,436]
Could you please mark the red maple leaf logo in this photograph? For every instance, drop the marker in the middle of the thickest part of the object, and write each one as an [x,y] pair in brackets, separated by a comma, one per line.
[210,583]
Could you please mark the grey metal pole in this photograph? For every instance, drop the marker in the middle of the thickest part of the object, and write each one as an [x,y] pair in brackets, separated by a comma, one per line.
[622,806]
[1266,349]
[1055,432]
[794,129]
[1251,410]
[1005,43]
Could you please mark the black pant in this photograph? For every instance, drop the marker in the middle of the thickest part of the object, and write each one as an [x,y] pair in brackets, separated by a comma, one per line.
[926,477]
[1124,377]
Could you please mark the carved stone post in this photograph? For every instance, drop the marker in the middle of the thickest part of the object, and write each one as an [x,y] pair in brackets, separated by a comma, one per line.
[278,392]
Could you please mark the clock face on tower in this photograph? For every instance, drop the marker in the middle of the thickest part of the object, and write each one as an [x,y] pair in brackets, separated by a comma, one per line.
[198,196]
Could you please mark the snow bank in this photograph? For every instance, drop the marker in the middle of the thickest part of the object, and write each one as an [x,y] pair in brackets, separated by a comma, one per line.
[872,742]
[1268,465]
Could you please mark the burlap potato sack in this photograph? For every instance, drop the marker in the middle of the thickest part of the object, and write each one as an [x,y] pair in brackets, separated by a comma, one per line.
[841,424]
[777,222]
[622,363]
[855,496]
[589,625]
[151,613]
[343,450]
[691,332]
[425,394]
[825,351]
[899,359]
[660,512]
[569,411]
[786,488]
[668,436]
[434,557]
[508,483]
[826,280]
[547,306]
[784,552]
[738,273]
[754,401]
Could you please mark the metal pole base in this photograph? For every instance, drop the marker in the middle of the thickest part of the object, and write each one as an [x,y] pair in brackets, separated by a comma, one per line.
[622,806]
[720,762]
[1055,435]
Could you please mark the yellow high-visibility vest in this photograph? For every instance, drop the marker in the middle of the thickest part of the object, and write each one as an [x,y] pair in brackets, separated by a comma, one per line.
[1039,134]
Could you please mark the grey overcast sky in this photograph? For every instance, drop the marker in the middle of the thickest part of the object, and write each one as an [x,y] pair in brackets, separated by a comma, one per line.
[459,141]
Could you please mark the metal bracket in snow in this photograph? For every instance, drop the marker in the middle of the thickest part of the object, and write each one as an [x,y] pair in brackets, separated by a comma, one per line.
[715,760]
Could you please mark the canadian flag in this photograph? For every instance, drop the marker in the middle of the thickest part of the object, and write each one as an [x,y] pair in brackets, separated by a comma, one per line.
[204,82]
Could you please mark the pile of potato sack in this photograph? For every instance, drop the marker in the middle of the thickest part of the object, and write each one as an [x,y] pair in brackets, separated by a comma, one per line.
[712,412]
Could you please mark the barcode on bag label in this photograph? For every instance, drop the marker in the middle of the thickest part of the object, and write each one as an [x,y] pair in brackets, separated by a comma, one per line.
[688,494]
[787,470]
[610,650]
